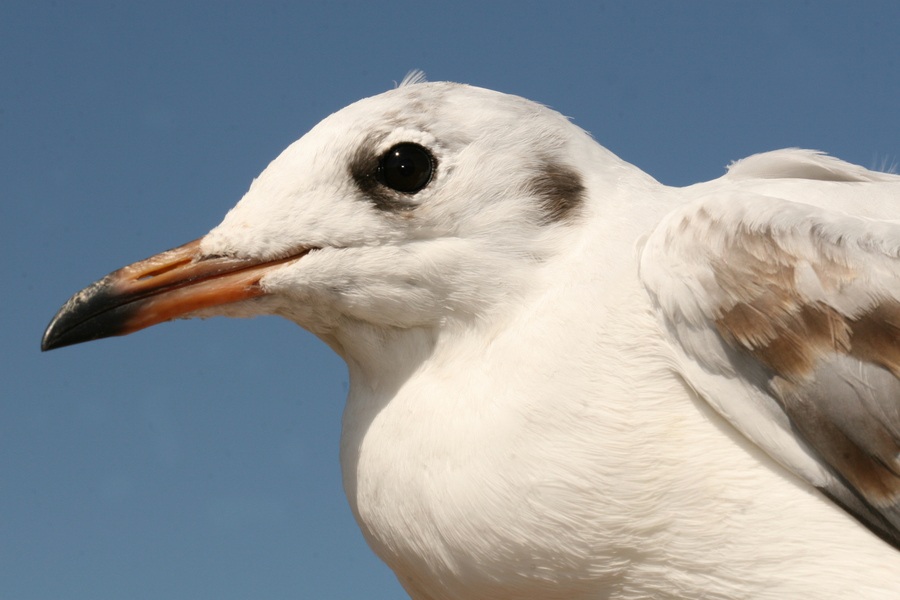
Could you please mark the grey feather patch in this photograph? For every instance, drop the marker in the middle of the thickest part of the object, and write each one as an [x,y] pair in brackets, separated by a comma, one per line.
[838,412]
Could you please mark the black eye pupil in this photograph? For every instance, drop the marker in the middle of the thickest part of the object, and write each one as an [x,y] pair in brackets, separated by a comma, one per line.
[406,168]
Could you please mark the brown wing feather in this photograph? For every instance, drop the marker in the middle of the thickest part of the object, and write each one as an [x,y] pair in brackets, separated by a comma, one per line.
[834,374]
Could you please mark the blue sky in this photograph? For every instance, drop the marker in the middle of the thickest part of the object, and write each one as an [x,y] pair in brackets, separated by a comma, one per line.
[199,459]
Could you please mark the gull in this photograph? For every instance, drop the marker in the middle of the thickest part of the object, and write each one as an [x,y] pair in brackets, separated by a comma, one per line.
[568,380]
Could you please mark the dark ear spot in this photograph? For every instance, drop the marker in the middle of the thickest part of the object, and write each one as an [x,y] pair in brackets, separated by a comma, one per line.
[560,191]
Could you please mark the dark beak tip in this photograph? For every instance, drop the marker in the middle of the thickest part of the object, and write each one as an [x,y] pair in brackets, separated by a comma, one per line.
[57,336]
[47,342]
[54,335]
[92,313]
[51,339]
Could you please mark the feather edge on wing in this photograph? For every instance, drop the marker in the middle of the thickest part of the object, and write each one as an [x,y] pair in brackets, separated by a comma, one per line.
[797,163]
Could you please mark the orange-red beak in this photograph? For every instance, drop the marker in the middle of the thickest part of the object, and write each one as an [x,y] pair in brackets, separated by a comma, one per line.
[160,288]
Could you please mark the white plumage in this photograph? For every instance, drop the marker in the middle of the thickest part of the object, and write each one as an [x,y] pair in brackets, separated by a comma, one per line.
[571,381]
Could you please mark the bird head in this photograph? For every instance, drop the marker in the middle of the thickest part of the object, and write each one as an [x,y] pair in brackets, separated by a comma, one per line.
[423,207]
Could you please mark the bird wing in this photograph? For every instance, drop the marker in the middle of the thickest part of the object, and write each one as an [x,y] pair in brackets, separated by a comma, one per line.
[786,319]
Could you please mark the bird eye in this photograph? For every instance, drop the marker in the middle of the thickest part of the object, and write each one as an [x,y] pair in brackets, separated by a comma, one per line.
[406,168]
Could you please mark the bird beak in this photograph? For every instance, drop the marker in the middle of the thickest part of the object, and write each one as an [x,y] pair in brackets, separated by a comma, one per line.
[169,285]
